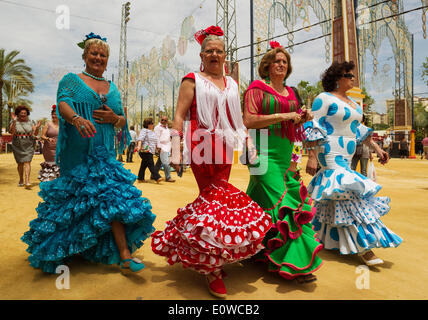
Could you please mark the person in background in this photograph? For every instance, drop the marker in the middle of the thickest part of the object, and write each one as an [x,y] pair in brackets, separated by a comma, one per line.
[403,148]
[49,136]
[362,154]
[425,146]
[386,144]
[164,137]
[24,133]
[147,142]
[131,147]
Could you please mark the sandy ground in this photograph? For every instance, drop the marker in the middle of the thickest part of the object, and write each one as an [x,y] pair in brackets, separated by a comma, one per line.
[403,276]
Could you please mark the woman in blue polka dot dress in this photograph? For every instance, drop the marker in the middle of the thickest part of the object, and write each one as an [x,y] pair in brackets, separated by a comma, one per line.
[348,210]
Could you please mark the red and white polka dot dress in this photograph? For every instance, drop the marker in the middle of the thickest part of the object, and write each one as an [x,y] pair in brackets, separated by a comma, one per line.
[223,225]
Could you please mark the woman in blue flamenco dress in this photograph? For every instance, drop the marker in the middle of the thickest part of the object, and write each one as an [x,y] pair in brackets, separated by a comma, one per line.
[348,211]
[92,209]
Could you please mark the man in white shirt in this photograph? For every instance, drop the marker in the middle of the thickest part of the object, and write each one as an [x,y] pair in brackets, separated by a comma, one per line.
[131,147]
[164,136]
[386,143]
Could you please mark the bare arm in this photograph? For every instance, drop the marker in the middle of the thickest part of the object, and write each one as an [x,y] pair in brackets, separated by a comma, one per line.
[85,127]
[185,98]
[383,155]
[44,130]
[12,128]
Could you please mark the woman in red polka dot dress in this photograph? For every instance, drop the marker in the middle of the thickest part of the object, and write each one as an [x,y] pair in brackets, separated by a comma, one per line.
[223,225]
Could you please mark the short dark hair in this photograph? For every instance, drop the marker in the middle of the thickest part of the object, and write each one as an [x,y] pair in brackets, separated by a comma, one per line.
[147,122]
[131,127]
[20,108]
[330,76]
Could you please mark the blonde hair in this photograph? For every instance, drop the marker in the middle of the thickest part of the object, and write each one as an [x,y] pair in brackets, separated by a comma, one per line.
[95,42]
[211,37]
[269,58]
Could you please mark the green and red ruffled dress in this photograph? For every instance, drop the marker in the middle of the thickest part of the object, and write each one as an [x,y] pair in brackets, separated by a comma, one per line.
[291,246]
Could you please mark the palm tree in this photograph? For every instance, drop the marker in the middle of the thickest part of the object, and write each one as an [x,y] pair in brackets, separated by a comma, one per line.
[15,79]
[308,92]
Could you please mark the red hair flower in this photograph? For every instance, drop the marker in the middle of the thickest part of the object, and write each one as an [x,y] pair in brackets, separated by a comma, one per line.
[202,34]
[274,44]
[54,107]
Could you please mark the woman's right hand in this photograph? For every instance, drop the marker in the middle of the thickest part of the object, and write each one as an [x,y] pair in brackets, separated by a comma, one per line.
[85,127]
[311,166]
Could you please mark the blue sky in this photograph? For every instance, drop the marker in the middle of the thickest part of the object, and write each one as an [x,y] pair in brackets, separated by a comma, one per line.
[30,27]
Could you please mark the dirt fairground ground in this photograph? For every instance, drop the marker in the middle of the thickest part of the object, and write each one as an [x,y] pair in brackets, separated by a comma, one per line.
[403,276]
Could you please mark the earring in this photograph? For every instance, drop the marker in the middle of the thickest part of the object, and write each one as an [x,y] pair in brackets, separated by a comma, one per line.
[202,67]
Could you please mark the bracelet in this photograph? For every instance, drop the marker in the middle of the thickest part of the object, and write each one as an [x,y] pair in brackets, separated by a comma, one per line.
[117,121]
[74,118]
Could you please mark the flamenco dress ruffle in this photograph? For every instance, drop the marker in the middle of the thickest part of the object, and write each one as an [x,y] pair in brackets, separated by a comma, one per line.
[348,210]
[48,172]
[78,208]
[223,225]
[291,244]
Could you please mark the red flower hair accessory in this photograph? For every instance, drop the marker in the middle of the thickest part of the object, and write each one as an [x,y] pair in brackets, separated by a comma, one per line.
[202,34]
[274,44]
[54,107]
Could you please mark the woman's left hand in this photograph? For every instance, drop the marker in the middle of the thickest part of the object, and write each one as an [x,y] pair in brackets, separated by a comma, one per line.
[307,115]
[105,115]
[383,156]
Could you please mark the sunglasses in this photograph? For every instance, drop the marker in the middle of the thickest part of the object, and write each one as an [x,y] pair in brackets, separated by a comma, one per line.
[163,120]
[348,76]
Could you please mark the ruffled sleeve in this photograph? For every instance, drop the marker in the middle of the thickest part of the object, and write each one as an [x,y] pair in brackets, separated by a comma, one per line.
[362,133]
[316,130]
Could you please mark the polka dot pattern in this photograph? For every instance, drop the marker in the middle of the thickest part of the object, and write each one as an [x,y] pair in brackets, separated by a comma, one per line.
[348,212]
[222,223]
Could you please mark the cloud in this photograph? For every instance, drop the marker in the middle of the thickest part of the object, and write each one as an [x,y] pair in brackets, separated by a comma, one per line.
[51,52]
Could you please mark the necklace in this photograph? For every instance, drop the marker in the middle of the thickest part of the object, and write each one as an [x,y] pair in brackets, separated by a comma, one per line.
[93,77]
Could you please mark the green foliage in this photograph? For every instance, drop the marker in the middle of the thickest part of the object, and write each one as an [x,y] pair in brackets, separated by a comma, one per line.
[15,82]
[425,70]
[308,92]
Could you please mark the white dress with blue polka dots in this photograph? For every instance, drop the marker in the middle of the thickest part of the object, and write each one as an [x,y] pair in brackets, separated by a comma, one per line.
[348,212]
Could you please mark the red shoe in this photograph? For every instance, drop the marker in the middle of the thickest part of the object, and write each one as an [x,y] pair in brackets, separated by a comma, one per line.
[217,287]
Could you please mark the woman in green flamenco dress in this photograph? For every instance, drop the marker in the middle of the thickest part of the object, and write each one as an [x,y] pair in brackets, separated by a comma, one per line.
[272,109]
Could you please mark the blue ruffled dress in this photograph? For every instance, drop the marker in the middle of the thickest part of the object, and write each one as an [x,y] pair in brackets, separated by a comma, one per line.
[348,210]
[93,190]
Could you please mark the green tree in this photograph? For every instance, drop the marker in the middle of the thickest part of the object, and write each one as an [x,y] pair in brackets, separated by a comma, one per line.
[425,70]
[420,118]
[308,92]
[15,79]
[368,101]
